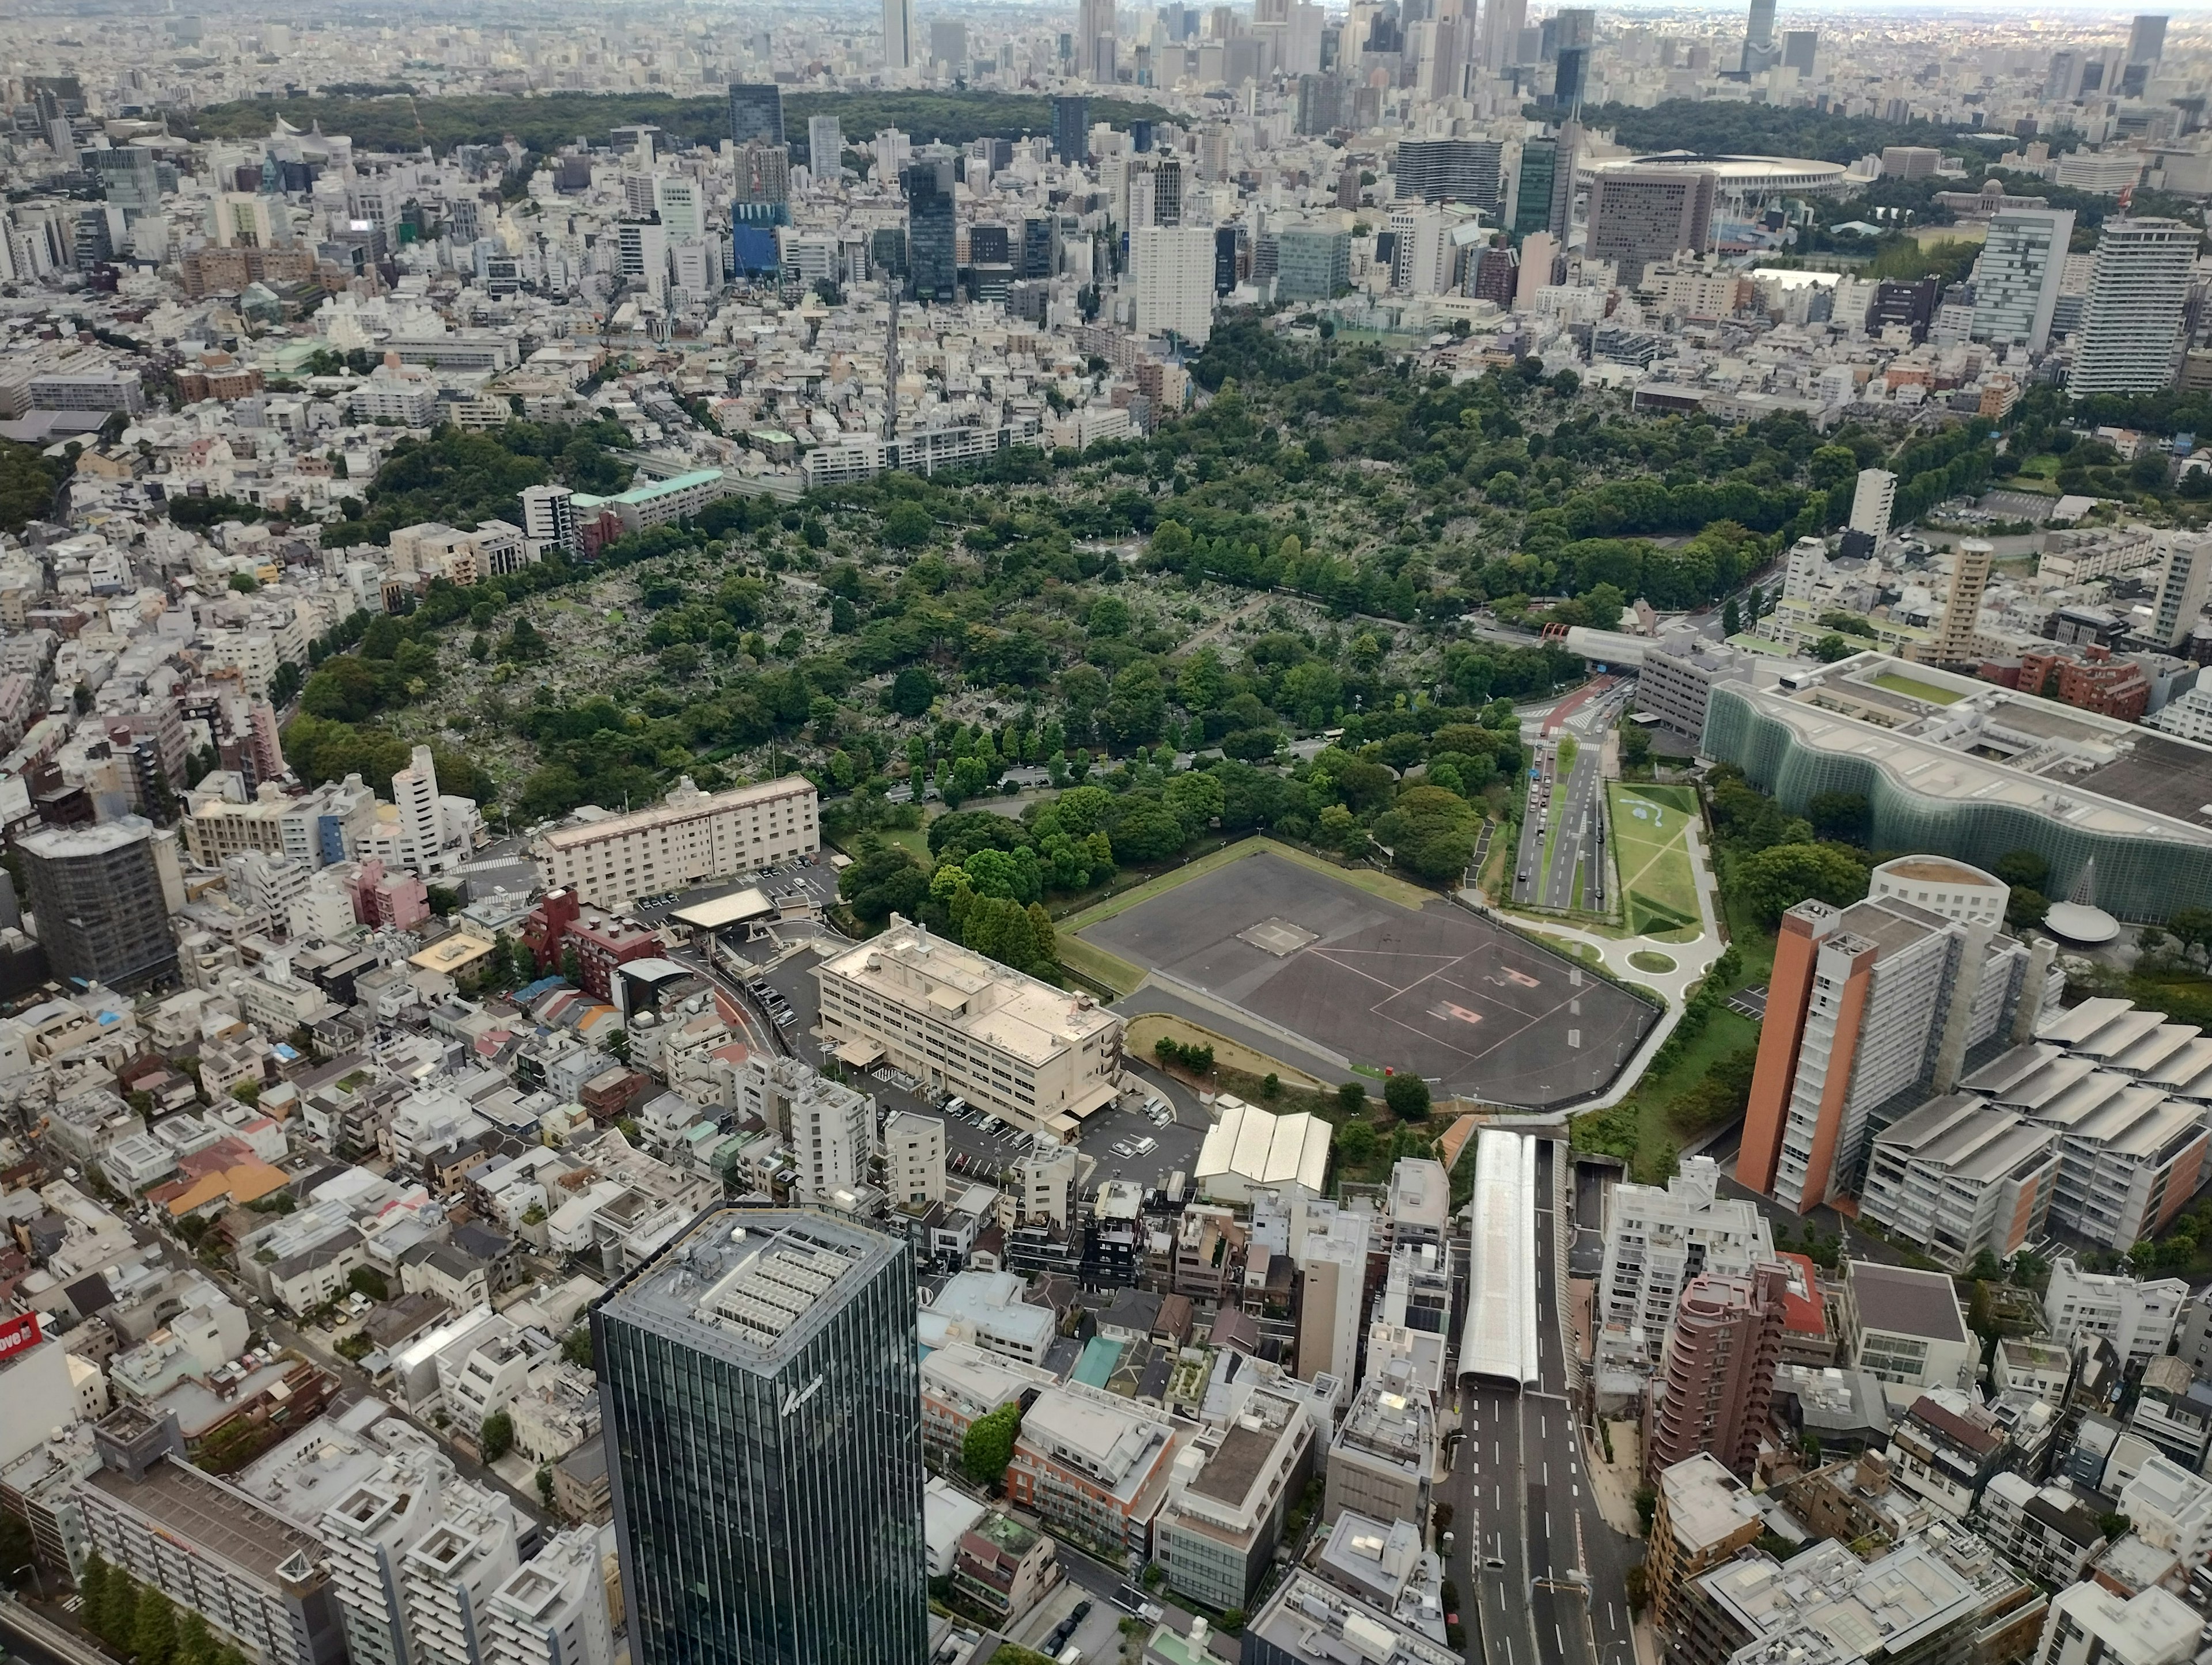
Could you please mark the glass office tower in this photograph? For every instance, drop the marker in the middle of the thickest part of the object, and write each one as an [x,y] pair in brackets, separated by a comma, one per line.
[762,1399]
[933,268]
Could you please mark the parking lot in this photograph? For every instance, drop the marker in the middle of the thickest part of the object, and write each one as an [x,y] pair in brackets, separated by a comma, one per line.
[817,878]
[971,1151]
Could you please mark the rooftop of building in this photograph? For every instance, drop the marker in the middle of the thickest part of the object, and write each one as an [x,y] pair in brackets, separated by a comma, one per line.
[1706,1505]
[679,805]
[1864,1607]
[1016,1013]
[221,1520]
[1386,1423]
[1942,735]
[751,1285]
[1903,1301]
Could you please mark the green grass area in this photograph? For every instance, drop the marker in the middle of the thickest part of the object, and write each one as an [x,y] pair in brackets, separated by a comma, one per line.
[1095,964]
[1659,1135]
[1569,748]
[1913,689]
[1645,959]
[1651,847]
[2041,466]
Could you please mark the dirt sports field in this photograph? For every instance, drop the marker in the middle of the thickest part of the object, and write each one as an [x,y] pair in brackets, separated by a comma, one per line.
[1435,990]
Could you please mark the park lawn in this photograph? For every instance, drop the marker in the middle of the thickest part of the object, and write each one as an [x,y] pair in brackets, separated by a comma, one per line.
[1913,689]
[913,840]
[1653,861]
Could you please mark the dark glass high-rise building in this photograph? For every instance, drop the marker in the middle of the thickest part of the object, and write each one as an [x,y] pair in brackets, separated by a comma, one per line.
[1071,128]
[761,1394]
[932,253]
[756,111]
[1545,192]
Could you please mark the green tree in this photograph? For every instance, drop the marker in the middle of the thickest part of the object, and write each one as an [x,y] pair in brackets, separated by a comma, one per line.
[1407,1095]
[1355,1144]
[154,1629]
[496,1437]
[576,1345]
[990,1444]
[1352,1099]
[1774,880]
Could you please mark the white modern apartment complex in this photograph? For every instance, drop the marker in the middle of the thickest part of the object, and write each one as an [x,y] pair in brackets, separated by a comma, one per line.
[1171,279]
[610,860]
[961,1023]
[552,1610]
[914,1158]
[2138,1318]
[830,1129]
[2131,324]
[447,1578]
[1658,1237]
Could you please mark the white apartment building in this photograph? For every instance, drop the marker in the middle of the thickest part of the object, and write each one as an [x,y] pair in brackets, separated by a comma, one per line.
[2170,1509]
[552,1610]
[2088,1623]
[1044,1182]
[1658,1237]
[829,1129]
[914,1157]
[447,1579]
[963,1024]
[1872,500]
[2138,1318]
[368,1533]
[1172,281]
[2132,323]
[690,837]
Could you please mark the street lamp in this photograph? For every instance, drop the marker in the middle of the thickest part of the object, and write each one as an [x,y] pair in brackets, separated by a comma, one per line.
[32,1568]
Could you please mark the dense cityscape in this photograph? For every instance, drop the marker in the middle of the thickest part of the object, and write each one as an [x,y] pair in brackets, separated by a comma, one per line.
[1111,836]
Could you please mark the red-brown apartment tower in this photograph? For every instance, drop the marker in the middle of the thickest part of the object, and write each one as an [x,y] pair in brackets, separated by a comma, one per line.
[1716,1381]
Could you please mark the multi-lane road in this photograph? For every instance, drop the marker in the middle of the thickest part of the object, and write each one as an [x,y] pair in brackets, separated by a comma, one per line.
[1574,807]
[1548,1574]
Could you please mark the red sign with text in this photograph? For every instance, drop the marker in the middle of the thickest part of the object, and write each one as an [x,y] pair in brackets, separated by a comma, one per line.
[17,1334]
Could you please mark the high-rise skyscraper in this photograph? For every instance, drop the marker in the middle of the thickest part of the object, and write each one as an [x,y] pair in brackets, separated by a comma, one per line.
[826,146]
[1638,214]
[1096,43]
[1872,500]
[1801,48]
[898,34]
[762,1406]
[2182,586]
[1958,635]
[2131,322]
[1871,1006]
[756,111]
[1172,281]
[932,258]
[2146,39]
[1576,33]
[1451,171]
[1758,38]
[102,900]
[1502,22]
[1715,1380]
[1071,128]
[2016,279]
[1544,189]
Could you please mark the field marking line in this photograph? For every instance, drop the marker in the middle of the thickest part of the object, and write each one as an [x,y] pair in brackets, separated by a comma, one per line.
[1323,953]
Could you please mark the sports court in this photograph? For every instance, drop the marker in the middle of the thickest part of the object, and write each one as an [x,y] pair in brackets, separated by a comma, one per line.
[1435,990]
[1651,848]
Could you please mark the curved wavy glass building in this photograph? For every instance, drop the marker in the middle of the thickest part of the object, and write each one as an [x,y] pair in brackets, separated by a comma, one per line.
[1953,765]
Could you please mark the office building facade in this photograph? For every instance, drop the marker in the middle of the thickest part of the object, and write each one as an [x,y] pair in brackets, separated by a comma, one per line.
[1071,128]
[762,1400]
[756,111]
[1452,171]
[1640,214]
[932,255]
[2016,279]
